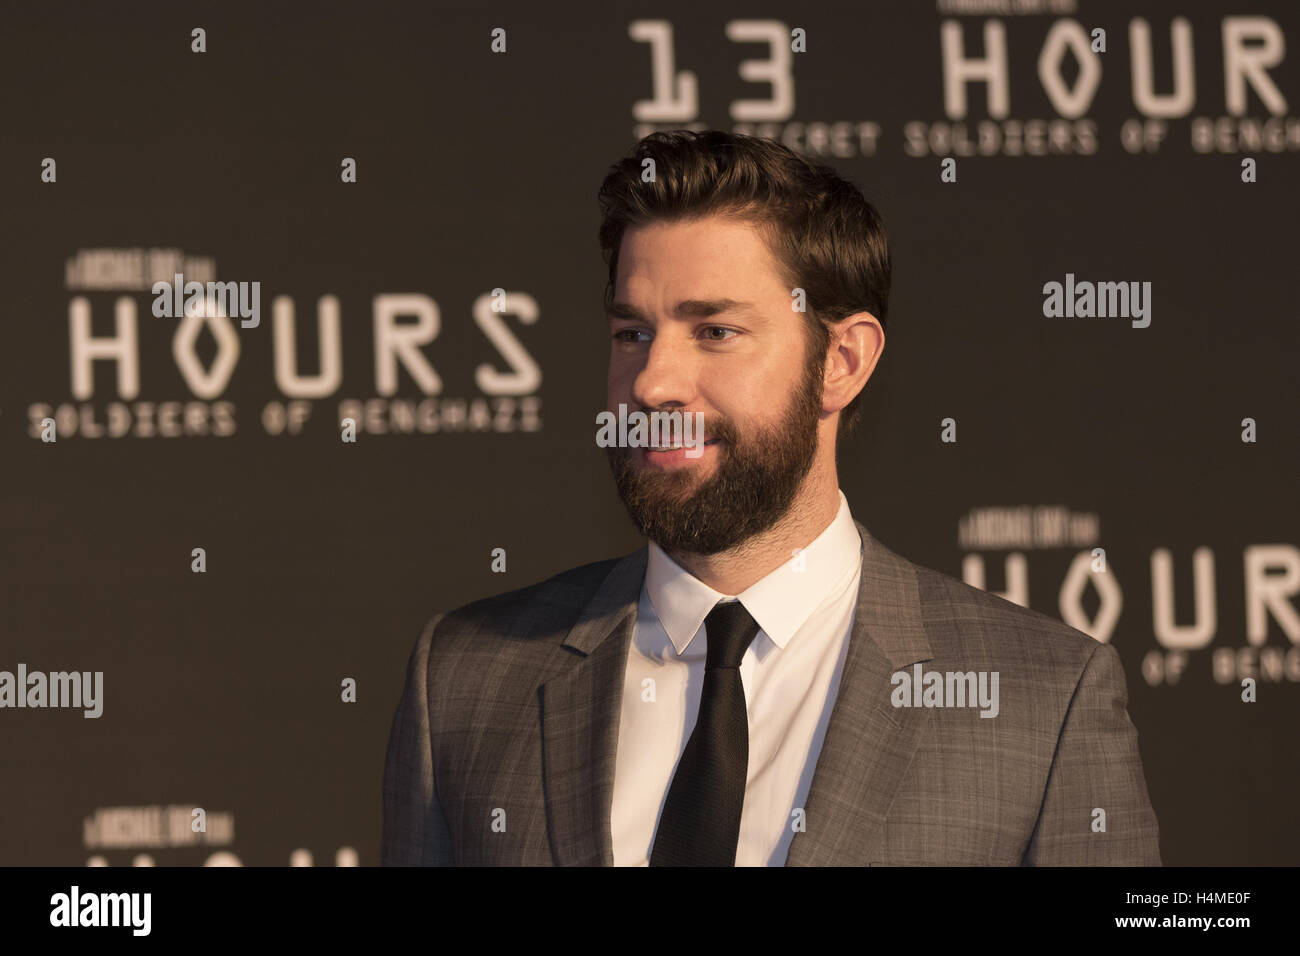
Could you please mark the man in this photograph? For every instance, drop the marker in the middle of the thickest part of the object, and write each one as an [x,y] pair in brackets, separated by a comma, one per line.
[755,687]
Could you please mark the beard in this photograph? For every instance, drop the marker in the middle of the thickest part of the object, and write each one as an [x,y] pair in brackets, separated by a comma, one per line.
[753,486]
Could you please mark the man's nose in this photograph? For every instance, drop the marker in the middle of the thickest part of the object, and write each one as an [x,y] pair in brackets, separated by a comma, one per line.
[668,376]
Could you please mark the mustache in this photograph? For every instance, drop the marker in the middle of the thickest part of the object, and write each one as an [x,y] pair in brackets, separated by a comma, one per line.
[717,427]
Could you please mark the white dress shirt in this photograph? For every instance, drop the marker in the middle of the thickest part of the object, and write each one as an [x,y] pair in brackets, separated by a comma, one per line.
[791,674]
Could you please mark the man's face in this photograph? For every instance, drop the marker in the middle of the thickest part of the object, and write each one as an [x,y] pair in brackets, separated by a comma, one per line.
[702,322]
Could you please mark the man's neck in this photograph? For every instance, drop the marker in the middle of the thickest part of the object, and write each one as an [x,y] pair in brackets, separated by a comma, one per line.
[731,572]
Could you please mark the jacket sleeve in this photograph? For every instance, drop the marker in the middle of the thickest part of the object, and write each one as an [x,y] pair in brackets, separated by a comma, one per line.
[415,833]
[1096,767]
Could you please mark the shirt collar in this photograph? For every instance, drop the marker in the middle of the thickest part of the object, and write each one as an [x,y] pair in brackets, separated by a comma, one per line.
[781,602]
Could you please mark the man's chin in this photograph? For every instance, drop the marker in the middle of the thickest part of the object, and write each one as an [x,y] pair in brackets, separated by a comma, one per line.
[659,474]
[661,492]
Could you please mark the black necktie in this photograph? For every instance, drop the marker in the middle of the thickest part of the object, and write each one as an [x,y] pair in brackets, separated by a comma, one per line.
[700,823]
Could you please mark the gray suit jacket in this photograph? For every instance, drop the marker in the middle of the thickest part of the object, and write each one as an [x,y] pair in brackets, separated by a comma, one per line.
[502,749]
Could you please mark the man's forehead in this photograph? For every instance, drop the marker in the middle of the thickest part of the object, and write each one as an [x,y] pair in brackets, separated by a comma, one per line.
[686,308]
[708,269]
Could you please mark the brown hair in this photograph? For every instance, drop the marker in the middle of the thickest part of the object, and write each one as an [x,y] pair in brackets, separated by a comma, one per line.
[828,239]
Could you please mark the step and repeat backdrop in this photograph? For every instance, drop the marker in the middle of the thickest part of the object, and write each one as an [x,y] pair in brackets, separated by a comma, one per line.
[1087,402]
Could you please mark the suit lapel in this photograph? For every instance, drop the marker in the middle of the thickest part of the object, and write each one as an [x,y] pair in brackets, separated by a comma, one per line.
[869,743]
[580,717]
[867,749]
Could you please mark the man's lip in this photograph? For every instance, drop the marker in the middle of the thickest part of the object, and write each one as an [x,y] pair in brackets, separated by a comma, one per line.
[710,441]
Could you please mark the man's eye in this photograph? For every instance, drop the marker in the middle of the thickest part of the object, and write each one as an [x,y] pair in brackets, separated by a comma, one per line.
[710,330]
[622,335]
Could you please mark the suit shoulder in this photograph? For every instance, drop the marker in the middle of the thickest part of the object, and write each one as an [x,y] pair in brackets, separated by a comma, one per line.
[549,606]
[963,615]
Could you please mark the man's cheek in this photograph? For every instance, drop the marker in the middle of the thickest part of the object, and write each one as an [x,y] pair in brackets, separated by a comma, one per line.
[619,379]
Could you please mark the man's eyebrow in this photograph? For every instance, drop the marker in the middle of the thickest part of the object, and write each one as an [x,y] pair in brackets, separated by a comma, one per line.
[687,308]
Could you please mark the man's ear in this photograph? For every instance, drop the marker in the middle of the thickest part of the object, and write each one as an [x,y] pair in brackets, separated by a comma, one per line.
[856,346]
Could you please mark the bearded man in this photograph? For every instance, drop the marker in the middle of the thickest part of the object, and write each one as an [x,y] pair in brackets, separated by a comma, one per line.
[764,683]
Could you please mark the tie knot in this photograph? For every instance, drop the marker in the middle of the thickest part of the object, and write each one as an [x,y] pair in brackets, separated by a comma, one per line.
[729,629]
